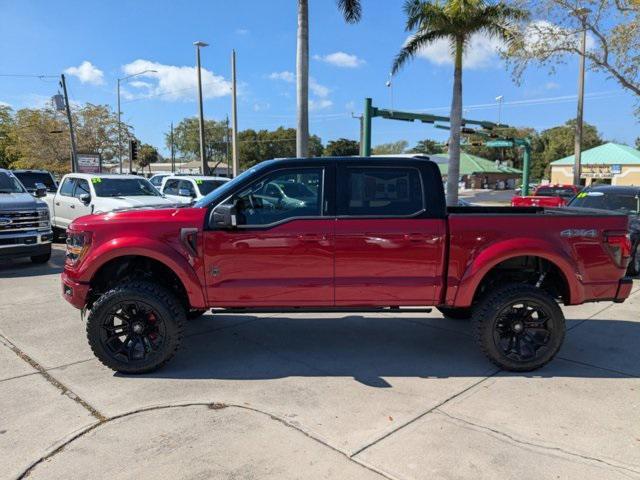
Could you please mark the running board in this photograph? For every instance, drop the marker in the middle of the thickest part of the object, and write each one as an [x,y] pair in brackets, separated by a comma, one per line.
[324,310]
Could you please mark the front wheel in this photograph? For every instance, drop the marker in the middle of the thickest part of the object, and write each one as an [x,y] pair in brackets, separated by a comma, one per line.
[136,327]
[519,327]
[44,258]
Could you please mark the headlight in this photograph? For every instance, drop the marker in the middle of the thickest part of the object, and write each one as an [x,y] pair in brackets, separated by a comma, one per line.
[77,246]
[43,219]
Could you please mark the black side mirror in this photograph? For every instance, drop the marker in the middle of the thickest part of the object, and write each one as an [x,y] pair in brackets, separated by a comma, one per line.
[85,198]
[225,216]
[40,191]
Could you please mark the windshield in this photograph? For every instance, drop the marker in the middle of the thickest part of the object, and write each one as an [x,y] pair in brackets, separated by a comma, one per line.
[10,184]
[29,180]
[123,187]
[224,190]
[565,192]
[208,186]
[627,202]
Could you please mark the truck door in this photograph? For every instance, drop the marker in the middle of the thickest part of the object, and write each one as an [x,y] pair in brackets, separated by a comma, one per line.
[389,249]
[281,252]
[80,208]
[62,212]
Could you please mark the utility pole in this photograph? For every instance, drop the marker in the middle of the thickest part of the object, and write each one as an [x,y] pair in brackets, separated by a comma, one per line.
[203,159]
[499,99]
[227,159]
[119,131]
[234,116]
[365,147]
[63,83]
[173,153]
[359,117]
[577,165]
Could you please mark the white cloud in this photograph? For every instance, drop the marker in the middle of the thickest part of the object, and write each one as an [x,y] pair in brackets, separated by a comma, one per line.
[551,86]
[317,89]
[172,82]
[242,31]
[321,104]
[341,59]
[86,72]
[285,76]
[543,36]
[5,104]
[481,52]
[350,105]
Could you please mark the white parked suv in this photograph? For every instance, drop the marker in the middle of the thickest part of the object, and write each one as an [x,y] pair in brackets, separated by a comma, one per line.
[83,194]
[186,189]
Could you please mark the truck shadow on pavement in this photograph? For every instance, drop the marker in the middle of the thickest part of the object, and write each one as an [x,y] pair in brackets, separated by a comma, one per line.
[374,349]
[23,267]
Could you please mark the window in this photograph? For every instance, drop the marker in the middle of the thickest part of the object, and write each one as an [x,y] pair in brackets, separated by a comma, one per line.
[171,187]
[29,180]
[123,187]
[208,186]
[10,184]
[266,201]
[188,186]
[82,187]
[381,191]
[67,187]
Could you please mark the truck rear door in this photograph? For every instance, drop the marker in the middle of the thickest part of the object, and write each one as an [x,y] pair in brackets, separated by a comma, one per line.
[390,234]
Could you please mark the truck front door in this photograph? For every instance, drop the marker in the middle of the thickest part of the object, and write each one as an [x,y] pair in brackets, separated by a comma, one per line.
[281,252]
[389,243]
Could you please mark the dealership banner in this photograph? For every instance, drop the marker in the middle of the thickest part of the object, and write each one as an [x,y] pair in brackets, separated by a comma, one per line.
[89,162]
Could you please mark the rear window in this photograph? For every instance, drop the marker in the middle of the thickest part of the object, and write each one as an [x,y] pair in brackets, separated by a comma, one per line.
[566,193]
[622,202]
[29,180]
[381,191]
[123,187]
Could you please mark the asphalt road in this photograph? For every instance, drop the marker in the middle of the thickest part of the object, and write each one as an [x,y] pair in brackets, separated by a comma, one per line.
[313,396]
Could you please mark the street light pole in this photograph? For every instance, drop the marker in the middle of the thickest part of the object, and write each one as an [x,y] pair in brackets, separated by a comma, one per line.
[499,99]
[203,159]
[120,114]
[577,165]
[234,117]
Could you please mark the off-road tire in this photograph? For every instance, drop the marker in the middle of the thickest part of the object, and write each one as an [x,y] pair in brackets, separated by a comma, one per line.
[40,259]
[164,304]
[456,313]
[487,314]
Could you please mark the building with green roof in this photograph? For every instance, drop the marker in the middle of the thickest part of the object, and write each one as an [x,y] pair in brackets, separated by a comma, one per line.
[478,172]
[610,163]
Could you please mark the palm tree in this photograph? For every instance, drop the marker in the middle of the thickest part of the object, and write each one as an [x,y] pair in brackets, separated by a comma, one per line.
[455,21]
[352,11]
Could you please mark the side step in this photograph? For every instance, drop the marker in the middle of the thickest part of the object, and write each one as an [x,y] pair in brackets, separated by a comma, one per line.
[324,310]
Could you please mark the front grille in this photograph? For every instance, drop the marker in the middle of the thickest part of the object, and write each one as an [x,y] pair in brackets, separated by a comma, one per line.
[23,221]
[19,241]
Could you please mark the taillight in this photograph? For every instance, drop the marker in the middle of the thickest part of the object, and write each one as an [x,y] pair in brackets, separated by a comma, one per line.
[77,246]
[619,246]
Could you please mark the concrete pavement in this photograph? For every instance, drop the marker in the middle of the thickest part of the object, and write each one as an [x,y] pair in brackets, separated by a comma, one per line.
[313,396]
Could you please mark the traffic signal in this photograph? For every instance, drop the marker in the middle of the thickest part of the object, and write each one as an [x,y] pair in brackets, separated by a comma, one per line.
[133,150]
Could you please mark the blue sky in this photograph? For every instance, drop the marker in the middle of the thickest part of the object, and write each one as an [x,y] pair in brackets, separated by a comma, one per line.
[349,62]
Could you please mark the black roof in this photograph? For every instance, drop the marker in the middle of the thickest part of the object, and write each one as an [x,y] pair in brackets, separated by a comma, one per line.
[614,188]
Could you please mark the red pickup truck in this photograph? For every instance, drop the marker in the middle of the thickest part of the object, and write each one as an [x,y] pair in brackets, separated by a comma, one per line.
[547,196]
[340,234]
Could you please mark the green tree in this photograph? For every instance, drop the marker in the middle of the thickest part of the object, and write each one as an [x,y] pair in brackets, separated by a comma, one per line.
[390,148]
[96,128]
[147,154]
[342,147]
[258,145]
[475,145]
[428,146]
[558,142]
[351,11]
[455,21]
[614,33]
[6,126]
[186,139]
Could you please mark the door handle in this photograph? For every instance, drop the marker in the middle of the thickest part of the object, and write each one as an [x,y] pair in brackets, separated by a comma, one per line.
[72,206]
[311,237]
[57,204]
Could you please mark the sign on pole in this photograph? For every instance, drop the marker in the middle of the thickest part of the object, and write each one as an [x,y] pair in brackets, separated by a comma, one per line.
[89,162]
[499,143]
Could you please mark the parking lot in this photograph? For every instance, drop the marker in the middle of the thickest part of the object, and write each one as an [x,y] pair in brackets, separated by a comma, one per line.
[313,396]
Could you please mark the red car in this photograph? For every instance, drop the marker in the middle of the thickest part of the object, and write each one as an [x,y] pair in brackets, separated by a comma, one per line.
[369,234]
[547,196]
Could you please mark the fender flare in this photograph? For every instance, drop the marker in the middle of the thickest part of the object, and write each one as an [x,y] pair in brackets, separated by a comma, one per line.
[497,253]
[154,250]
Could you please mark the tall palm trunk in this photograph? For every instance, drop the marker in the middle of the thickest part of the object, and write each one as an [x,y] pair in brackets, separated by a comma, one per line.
[453,172]
[302,80]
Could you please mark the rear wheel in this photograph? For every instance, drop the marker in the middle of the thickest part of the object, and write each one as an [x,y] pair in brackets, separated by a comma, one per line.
[456,313]
[136,327]
[519,327]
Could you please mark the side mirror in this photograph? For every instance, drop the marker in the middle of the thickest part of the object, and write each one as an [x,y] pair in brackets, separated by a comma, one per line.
[183,192]
[224,216]
[85,198]
[41,190]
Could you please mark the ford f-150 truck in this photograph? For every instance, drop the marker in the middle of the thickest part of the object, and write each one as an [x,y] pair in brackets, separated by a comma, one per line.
[367,234]
[547,196]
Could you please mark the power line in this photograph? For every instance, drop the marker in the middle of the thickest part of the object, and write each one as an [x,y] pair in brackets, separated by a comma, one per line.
[21,75]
